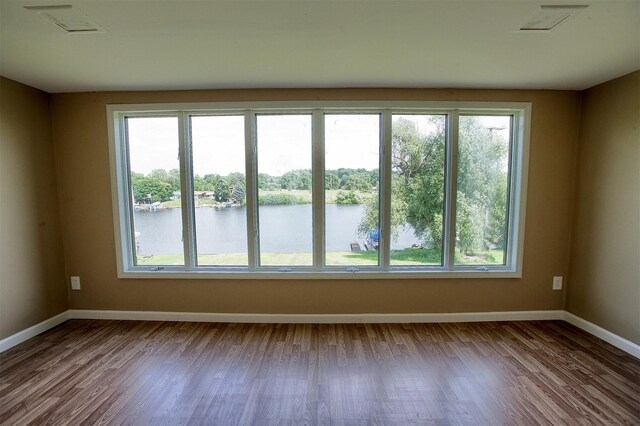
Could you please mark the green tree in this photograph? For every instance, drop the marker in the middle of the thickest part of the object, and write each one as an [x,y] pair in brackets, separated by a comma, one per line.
[222,189]
[210,182]
[349,197]
[199,184]
[136,176]
[238,191]
[173,179]
[418,184]
[296,179]
[482,187]
[331,180]
[151,190]
[417,181]
[371,218]
[160,174]
[468,226]
[358,181]
[267,182]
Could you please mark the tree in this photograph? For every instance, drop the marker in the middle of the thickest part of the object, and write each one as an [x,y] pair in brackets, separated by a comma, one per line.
[358,181]
[199,184]
[173,178]
[468,226]
[222,189]
[136,176]
[151,190]
[210,181]
[238,190]
[482,187]
[160,174]
[371,218]
[331,180]
[267,182]
[349,197]
[417,182]
[296,179]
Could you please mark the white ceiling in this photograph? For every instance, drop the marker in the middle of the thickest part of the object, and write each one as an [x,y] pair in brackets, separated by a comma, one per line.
[186,44]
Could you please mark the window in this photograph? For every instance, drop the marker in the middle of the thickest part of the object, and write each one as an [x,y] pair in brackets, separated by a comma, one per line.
[482,189]
[319,189]
[418,145]
[352,189]
[154,172]
[219,190]
[284,190]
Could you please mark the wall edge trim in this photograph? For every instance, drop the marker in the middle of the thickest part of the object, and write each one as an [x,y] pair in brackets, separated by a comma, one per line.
[618,341]
[591,328]
[317,318]
[34,330]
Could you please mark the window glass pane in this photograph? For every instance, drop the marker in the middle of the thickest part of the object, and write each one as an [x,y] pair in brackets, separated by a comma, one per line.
[483,189]
[219,189]
[155,189]
[417,189]
[284,190]
[352,145]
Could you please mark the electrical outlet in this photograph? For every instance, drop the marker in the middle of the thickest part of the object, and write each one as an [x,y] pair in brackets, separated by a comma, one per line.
[75,283]
[557,283]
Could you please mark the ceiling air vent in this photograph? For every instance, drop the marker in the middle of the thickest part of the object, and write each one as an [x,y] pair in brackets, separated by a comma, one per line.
[69,19]
[550,16]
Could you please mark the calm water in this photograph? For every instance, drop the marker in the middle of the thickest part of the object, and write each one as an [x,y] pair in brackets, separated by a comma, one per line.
[283,229]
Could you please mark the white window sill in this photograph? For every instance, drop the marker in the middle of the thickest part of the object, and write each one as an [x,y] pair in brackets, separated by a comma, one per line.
[315,275]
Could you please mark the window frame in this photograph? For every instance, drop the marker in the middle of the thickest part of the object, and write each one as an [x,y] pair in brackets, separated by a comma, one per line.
[123,211]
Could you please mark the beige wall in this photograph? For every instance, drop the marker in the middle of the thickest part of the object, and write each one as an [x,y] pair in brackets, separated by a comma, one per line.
[32,280]
[604,285]
[82,157]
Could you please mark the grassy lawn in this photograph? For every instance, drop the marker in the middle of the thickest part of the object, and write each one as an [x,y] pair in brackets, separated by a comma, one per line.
[303,195]
[330,194]
[492,257]
[405,257]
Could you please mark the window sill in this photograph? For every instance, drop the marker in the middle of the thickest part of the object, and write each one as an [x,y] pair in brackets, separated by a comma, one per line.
[315,275]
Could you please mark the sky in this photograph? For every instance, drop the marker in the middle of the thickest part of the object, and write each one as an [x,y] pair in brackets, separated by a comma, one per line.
[284,142]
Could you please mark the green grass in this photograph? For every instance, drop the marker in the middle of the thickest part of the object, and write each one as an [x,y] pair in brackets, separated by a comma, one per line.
[416,256]
[305,196]
[406,257]
[492,257]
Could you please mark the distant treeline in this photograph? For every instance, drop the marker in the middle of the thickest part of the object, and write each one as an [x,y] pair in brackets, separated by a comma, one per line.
[346,179]
[160,185]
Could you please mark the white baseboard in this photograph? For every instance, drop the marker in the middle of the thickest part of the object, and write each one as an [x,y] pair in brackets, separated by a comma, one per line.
[617,341]
[585,325]
[21,336]
[318,318]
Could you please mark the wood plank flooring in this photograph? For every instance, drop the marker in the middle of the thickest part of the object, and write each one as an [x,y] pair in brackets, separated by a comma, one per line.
[137,372]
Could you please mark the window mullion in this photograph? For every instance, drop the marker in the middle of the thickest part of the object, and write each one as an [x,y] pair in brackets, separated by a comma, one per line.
[512,193]
[451,188]
[385,177]
[251,193]
[129,235]
[318,198]
[186,189]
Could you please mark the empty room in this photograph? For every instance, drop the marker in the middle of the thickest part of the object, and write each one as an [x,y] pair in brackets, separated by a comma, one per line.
[319,212]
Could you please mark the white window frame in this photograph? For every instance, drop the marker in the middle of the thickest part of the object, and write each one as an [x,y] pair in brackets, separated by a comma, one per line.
[122,207]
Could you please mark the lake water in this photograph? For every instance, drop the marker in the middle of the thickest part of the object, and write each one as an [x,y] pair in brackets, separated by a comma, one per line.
[283,229]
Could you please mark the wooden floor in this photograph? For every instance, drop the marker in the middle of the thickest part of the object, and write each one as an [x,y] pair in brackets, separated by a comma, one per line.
[135,372]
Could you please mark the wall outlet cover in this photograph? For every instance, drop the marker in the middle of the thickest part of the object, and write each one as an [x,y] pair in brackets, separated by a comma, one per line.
[75,283]
[557,283]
